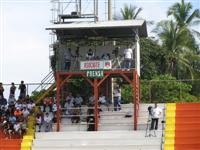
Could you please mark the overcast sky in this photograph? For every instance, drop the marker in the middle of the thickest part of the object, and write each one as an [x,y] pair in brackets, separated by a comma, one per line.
[24,42]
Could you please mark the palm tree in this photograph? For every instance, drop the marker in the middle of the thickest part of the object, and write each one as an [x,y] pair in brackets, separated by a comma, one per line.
[177,47]
[185,16]
[130,12]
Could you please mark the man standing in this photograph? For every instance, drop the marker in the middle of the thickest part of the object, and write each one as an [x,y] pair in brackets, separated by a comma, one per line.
[12,90]
[117,98]
[67,59]
[22,88]
[116,60]
[156,112]
[128,56]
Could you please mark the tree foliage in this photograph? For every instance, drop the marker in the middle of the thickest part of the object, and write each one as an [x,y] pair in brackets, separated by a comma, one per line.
[130,12]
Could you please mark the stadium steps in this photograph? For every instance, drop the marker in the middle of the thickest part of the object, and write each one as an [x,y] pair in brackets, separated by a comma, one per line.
[116,120]
[112,120]
[101,140]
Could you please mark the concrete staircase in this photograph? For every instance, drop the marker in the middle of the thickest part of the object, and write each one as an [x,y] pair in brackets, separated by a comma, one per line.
[117,120]
[101,140]
[116,133]
[112,120]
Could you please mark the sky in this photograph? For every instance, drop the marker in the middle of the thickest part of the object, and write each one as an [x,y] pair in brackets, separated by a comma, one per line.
[24,42]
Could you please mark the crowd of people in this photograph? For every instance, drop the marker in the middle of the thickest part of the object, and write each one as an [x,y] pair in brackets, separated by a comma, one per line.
[14,111]
[72,61]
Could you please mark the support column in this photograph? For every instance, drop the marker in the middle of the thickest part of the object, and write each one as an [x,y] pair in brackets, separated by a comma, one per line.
[96,112]
[58,101]
[134,87]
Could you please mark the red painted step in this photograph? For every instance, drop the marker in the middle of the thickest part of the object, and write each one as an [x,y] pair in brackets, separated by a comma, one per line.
[187,132]
[9,144]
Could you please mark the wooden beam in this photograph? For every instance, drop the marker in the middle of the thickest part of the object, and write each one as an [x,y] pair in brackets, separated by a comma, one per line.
[126,78]
[58,101]
[96,111]
[65,80]
[106,76]
[88,80]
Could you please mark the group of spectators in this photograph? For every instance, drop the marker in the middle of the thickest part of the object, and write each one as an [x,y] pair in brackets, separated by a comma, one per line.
[118,61]
[14,112]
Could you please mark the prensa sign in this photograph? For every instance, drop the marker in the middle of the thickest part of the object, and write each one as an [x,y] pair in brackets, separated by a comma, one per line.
[96,65]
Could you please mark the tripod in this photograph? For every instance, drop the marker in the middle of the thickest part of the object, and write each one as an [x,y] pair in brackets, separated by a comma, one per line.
[148,130]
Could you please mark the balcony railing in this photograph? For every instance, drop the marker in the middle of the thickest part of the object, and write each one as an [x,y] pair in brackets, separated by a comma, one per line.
[83,65]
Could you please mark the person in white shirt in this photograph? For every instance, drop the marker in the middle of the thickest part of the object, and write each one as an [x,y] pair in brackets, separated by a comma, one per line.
[102,100]
[69,102]
[17,128]
[47,122]
[128,57]
[25,113]
[39,121]
[78,100]
[155,115]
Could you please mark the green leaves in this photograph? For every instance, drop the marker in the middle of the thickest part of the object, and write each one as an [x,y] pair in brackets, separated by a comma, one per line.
[130,12]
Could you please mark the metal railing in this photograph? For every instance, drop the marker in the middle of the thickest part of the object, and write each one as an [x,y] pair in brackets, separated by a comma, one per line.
[48,79]
[163,128]
[82,124]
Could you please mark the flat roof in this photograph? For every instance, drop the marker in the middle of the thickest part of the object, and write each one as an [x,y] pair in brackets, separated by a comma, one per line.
[116,28]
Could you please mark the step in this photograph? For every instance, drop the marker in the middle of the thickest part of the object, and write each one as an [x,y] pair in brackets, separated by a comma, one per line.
[110,147]
[89,135]
[142,141]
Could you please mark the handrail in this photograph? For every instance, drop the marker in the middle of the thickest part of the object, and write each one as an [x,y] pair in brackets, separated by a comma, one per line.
[163,128]
[49,78]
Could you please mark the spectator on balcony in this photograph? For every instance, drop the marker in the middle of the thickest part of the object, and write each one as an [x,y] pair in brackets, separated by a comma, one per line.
[1,91]
[90,55]
[67,59]
[117,98]
[77,58]
[105,56]
[12,90]
[116,60]
[155,115]
[22,88]
[128,57]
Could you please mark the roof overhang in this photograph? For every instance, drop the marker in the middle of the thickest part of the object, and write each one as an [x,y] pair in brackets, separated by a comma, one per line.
[114,29]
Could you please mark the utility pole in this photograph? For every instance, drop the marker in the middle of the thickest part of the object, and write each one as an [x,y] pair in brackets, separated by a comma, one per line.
[80,7]
[97,9]
[76,6]
[109,9]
